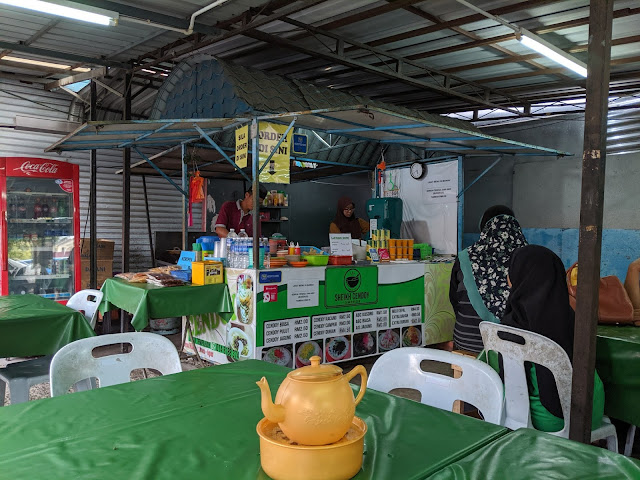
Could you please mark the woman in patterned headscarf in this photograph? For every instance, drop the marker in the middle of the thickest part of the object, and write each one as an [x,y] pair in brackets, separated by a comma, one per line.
[479,289]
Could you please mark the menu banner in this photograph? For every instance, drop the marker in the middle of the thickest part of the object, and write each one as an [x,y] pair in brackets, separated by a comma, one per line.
[278,332]
[365,320]
[351,286]
[330,325]
[403,316]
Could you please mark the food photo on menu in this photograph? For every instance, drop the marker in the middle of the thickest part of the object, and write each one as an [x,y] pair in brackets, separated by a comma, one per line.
[306,350]
[281,355]
[412,336]
[364,344]
[338,348]
[388,339]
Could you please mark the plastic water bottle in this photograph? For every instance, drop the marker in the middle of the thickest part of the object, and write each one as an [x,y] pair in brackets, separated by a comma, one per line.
[231,248]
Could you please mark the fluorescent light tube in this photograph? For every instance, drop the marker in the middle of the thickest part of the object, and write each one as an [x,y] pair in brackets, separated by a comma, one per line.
[534,42]
[40,63]
[67,9]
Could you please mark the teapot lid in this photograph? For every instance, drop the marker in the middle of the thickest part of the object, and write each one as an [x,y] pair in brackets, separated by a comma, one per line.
[316,372]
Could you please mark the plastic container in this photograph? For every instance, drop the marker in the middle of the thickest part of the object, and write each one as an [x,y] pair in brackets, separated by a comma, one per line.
[340,260]
[425,250]
[317,260]
[304,249]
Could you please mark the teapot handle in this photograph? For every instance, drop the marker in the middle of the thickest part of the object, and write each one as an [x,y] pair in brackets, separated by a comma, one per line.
[359,370]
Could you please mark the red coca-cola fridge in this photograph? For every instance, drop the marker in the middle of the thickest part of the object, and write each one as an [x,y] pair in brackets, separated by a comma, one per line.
[40,228]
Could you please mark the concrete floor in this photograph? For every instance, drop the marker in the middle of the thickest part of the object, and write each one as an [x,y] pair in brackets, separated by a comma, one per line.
[189,363]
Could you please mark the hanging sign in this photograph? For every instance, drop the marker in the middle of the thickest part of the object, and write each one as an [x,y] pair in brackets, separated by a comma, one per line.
[300,143]
[277,170]
[242,146]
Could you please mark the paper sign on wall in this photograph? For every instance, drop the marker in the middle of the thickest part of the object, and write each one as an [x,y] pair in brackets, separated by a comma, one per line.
[302,293]
[441,183]
[242,146]
[277,170]
[340,244]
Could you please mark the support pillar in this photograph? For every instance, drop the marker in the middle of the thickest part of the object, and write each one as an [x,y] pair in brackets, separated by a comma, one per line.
[93,182]
[591,207]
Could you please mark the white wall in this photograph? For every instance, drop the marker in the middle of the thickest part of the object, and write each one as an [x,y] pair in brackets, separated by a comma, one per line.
[544,192]
[164,200]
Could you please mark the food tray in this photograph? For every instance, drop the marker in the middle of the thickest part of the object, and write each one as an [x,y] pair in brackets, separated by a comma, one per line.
[340,260]
[310,249]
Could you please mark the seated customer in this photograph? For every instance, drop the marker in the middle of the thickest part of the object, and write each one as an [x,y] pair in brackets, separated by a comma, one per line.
[346,221]
[478,289]
[539,303]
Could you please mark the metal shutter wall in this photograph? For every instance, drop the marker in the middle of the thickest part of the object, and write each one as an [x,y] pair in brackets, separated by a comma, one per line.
[164,201]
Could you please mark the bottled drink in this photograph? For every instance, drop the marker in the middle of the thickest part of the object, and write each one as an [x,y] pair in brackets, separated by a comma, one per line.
[13,207]
[37,209]
[45,208]
[62,207]
[231,248]
[243,234]
[22,209]
[53,208]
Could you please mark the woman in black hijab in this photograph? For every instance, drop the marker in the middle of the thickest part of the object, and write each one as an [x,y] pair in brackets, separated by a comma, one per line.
[539,302]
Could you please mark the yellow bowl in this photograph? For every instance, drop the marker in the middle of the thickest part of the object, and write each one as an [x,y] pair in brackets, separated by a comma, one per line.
[338,461]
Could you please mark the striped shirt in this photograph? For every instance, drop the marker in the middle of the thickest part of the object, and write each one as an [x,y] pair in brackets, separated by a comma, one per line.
[466,332]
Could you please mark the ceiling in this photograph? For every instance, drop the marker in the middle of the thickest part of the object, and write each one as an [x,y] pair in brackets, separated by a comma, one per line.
[438,55]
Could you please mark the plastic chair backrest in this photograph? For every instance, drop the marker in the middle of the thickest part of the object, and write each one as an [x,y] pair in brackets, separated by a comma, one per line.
[74,362]
[537,349]
[87,301]
[479,384]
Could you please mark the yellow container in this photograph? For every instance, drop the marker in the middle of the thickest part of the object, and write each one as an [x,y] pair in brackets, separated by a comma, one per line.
[337,461]
[207,272]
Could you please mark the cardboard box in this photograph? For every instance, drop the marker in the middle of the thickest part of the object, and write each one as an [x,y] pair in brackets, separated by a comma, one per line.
[105,270]
[206,273]
[105,248]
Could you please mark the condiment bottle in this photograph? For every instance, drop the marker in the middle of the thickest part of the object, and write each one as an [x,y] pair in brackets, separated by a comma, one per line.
[292,249]
[297,250]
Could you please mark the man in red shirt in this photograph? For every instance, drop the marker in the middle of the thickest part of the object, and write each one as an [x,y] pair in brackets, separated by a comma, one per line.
[237,215]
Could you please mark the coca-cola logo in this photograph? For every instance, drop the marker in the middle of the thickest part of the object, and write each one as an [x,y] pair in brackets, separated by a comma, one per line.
[29,168]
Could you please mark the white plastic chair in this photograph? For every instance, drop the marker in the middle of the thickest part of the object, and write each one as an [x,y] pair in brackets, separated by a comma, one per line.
[75,362]
[542,351]
[478,385]
[20,376]
[87,302]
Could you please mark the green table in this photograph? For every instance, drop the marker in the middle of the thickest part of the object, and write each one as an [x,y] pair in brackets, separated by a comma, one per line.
[202,423]
[531,455]
[618,364]
[147,301]
[31,325]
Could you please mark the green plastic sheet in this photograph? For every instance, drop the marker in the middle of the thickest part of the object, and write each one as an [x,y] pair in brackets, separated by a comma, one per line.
[147,301]
[202,424]
[618,364]
[31,325]
[531,455]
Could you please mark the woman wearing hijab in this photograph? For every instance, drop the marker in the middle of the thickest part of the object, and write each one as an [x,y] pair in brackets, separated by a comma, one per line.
[345,220]
[539,303]
[478,289]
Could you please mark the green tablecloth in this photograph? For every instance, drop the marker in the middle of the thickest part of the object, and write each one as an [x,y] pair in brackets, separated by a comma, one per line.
[202,423]
[531,455]
[147,301]
[31,325]
[618,364]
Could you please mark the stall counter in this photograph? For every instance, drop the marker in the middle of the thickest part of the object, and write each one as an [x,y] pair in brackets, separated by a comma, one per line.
[287,315]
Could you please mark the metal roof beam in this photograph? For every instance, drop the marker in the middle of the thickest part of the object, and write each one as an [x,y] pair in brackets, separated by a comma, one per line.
[80,77]
[384,72]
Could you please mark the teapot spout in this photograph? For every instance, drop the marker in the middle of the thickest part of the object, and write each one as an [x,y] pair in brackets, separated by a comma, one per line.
[273,412]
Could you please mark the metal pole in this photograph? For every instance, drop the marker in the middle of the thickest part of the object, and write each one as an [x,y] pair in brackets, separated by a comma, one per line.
[461,202]
[93,253]
[185,200]
[255,215]
[126,179]
[126,193]
[146,207]
[591,205]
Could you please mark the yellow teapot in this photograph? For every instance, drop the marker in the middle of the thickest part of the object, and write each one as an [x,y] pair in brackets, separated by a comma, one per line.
[315,404]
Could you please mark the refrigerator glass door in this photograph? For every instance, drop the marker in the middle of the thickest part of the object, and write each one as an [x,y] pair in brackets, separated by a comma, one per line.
[40,237]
